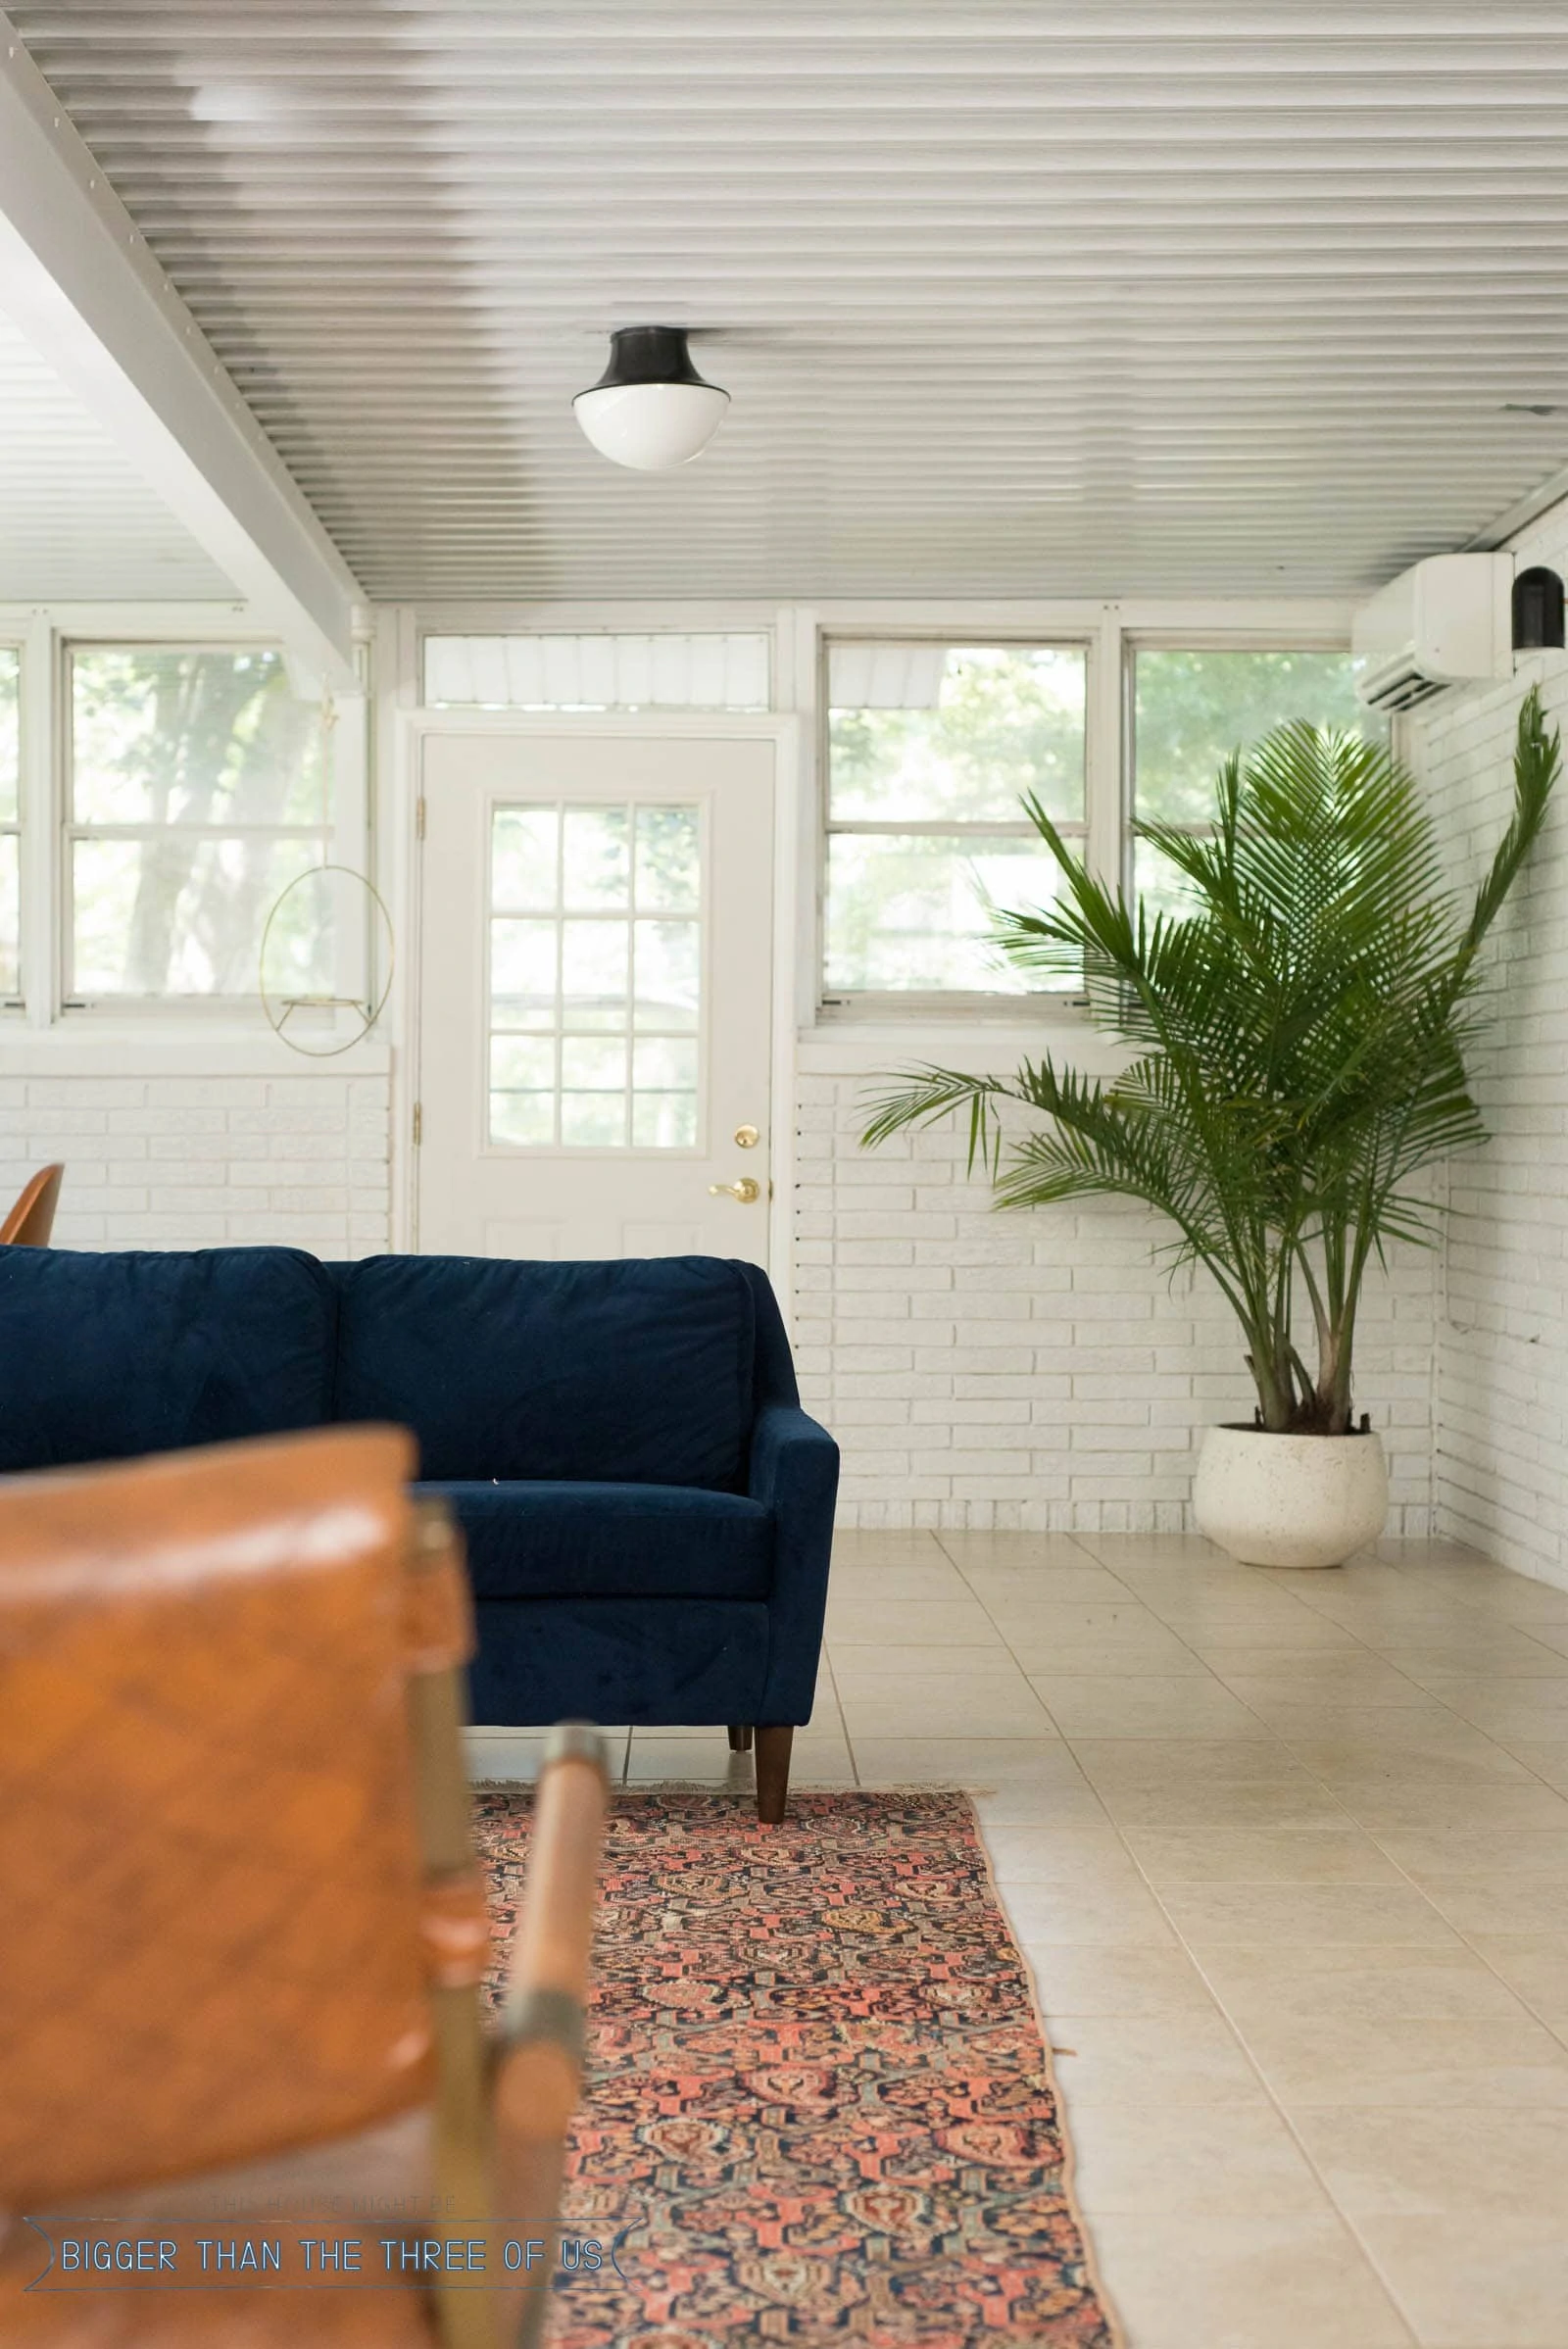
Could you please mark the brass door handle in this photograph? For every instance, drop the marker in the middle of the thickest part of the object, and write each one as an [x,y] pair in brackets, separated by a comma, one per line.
[745,1191]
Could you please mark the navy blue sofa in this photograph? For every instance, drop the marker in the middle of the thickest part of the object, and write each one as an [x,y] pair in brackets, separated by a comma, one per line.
[647,1509]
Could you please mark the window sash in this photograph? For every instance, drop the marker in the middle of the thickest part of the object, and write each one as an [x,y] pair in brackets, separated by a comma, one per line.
[340,835]
[325,831]
[77,997]
[1111,827]
[979,837]
[13,652]
[980,829]
[877,652]
[1164,642]
[14,997]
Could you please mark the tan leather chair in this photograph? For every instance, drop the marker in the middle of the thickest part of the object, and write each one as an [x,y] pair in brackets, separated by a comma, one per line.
[243,1930]
[33,1218]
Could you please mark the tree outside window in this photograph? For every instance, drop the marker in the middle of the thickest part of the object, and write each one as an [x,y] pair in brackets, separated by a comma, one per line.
[931,749]
[199,788]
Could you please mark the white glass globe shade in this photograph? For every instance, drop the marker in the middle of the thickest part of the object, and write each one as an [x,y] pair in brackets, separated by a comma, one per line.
[651,426]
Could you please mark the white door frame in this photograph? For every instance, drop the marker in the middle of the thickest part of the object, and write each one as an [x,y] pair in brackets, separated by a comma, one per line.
[781,729]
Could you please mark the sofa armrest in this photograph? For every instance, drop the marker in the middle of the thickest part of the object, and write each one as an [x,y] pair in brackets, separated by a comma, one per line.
[795,1474]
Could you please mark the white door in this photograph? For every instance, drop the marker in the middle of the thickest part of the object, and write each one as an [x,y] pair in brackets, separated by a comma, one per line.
[596,917]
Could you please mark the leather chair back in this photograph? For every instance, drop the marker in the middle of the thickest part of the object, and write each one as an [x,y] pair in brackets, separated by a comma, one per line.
[243,1928]
[32,1216]
[208,1829]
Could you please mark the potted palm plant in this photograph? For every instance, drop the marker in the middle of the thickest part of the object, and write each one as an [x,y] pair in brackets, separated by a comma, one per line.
[1297,1038]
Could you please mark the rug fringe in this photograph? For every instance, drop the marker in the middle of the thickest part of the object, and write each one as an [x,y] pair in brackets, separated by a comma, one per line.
[1070,2151]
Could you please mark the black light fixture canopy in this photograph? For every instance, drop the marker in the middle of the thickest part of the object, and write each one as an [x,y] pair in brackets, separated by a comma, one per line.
[651,409]
[649,355]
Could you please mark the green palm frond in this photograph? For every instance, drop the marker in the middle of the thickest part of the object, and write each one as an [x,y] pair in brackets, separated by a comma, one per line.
[1296,1040]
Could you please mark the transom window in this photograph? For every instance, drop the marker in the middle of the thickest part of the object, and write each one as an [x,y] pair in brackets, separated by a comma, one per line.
[931,749]
[664,670]
[596,995]
[199,787]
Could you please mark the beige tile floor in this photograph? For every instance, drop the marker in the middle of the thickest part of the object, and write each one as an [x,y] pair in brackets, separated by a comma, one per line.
[1288,1854]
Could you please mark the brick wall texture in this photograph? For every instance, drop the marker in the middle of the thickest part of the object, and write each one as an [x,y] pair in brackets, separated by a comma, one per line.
[981,1370]
[1501,1455]
[1036,1370]
[195,1161]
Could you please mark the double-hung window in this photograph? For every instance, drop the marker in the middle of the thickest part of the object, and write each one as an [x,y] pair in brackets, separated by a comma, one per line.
[931,751]
[1191,708]
[198,787]
[10,823]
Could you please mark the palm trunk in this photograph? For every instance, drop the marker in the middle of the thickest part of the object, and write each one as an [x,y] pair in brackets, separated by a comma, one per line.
[1269,1361]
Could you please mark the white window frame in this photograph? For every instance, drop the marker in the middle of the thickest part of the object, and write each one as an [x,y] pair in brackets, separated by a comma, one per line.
[15,640]
[48,1032]
[346,839]
[842,1032]
[922,1003]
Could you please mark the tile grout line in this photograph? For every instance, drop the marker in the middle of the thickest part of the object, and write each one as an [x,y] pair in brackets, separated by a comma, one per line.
[1218,2007]
[838,1707]
[1374,1834]
[1269,2092]
[1279,1741]
[1231,2024]
[1217,2003]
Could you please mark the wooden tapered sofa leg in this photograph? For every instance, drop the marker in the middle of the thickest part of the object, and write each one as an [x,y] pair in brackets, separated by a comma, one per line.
[772,1772]
[740,1736]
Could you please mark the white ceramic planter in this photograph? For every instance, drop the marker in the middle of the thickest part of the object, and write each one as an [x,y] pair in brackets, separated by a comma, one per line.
[1291,1500]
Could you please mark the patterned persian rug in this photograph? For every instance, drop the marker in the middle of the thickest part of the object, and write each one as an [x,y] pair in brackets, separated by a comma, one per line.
[820,2108]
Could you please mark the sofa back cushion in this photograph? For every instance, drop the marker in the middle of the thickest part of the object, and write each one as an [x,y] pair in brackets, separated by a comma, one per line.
[636,1372]
[105,1357]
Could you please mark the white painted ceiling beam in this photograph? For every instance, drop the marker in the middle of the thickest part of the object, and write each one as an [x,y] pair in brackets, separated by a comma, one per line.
[77,279]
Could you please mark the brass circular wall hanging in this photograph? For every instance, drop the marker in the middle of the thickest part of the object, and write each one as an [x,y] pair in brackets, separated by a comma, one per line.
[296,988]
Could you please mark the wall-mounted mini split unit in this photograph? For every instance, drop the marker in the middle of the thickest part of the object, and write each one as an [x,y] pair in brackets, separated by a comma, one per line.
[1444,621]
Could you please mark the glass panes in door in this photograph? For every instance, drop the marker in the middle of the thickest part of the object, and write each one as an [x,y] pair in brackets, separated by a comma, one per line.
[595,1002]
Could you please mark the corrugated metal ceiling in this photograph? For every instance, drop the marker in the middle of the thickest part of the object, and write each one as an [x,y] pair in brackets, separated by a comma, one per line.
[1012,299]
[79,523]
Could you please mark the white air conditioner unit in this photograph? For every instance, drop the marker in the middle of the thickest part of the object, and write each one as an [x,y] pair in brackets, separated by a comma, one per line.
[1444,621]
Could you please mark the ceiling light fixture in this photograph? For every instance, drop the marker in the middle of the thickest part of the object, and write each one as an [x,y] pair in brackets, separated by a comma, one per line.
[650,409]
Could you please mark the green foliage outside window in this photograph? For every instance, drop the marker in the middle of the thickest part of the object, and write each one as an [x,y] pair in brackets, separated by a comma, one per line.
[200,787]
[910,900]
[1192,709]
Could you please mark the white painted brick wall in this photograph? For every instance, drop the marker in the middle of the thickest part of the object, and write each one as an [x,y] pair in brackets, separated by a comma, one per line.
[1037,1370]
[979,1369]
[162,1161]
[1501,1451]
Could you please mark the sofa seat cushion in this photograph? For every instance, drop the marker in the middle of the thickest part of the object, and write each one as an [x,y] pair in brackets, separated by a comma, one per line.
[581,1541]
[105,1357]
[635,1370]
